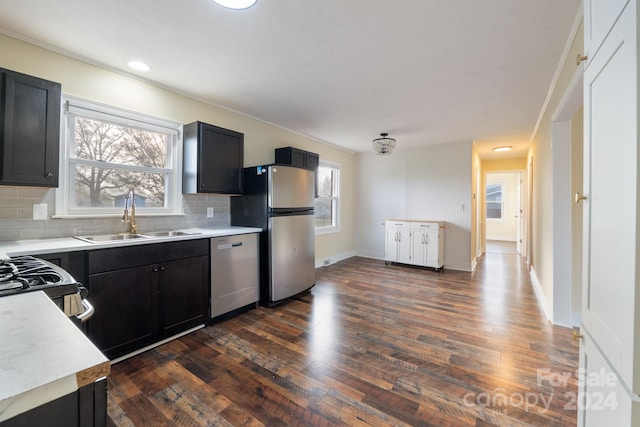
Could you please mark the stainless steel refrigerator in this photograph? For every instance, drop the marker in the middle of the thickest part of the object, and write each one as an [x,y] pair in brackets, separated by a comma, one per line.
[280,200]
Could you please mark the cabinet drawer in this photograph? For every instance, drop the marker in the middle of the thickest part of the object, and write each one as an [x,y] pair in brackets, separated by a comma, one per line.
[397,224]
[134,256]
[431,226]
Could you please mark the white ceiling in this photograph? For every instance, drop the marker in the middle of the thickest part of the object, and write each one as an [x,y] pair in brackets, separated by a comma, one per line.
[340,71]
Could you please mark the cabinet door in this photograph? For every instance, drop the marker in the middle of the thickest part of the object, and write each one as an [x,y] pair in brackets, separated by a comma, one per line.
[432,253]
[404,245]
[418,247]
[30,137]
[183,294]
[391,244]
[126,303]
[221,160]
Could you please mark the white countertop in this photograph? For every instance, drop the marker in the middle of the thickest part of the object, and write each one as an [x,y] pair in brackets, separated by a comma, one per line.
[43,355]
[69,244]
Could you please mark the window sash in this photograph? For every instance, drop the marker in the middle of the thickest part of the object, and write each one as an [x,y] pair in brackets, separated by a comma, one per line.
[333,201]
[65,195]
[496,204]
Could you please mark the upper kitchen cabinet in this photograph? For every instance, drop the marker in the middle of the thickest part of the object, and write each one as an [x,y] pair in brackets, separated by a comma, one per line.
[213,160]
[29,130]
[296,157]
[299,158]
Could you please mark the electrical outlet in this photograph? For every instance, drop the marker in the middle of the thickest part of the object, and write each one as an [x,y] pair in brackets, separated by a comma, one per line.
[209,212]
[40,211]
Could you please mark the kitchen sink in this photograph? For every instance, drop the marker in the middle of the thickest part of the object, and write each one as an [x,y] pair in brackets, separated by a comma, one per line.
[110,237]
[103,238]
[170,233]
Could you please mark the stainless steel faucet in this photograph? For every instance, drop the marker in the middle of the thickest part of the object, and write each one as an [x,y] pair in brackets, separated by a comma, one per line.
[131,220]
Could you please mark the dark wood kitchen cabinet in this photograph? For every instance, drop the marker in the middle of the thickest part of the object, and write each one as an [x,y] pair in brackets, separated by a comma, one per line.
[299,158]
[29,130]
[213,159]
[296,157]
[143,294]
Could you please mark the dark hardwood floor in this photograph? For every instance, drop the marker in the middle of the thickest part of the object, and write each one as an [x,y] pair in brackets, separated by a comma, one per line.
[369,345]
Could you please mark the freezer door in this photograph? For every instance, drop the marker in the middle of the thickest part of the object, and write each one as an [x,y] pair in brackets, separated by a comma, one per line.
[292,248]
[290,187]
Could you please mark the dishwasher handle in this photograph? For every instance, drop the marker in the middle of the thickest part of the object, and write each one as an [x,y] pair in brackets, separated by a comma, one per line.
[235,245]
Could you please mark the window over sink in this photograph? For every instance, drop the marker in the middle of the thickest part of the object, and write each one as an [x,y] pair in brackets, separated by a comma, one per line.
[108,150]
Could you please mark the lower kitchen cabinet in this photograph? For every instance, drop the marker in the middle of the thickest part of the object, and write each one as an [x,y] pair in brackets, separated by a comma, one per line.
[415,242]
[143,294]
[183,298]
[427,244]
[397,242]
[126,303]
[85,407]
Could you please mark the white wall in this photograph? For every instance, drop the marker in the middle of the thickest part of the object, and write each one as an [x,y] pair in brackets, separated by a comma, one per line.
[507,227]
[430,183]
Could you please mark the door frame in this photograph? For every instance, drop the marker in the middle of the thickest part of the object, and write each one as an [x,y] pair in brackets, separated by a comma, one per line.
[569,104]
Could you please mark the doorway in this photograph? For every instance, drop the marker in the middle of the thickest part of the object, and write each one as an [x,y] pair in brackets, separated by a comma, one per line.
[504,220]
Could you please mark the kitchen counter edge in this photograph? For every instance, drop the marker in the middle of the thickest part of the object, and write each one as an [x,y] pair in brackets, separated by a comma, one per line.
[70,244]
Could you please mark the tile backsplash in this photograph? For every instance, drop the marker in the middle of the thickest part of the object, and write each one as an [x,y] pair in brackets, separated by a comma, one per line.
[16,216]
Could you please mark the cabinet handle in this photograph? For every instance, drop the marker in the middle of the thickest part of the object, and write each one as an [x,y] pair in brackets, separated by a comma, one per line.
[578,198]
[49,175]
[427,238]
[155,269]
[162,268]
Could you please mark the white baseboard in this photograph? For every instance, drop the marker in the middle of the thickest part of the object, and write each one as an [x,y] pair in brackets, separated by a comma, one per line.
[333,259]
[501,238]
[540,295]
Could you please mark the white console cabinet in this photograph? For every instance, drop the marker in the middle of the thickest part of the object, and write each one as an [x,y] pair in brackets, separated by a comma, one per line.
[415,242]
[397,241]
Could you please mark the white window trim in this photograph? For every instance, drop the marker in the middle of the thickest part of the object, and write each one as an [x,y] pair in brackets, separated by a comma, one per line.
[106,112]
[333,228]
[501,219]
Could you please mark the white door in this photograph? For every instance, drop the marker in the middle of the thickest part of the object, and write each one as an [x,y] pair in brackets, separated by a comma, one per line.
[610,295]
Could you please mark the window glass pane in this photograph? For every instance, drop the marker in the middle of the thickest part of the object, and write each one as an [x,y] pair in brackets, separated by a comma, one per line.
[324,212]
[112,143]
[325,181]
[494,201]
[104,187]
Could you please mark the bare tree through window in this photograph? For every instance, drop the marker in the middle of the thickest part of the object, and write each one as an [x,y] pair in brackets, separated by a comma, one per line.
[110,158]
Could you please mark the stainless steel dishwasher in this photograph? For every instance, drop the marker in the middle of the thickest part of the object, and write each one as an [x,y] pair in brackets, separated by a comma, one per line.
[234,273]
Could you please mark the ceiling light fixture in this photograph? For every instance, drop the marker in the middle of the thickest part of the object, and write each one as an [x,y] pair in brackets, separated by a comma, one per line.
[502,148]
[139,66]
[384,145]
[236,4]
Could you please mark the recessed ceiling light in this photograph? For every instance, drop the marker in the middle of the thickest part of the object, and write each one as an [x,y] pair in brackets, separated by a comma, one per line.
[236,4]
[139,66]
[502,148]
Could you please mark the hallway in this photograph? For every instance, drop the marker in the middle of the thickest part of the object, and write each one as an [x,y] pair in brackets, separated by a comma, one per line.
[369,345]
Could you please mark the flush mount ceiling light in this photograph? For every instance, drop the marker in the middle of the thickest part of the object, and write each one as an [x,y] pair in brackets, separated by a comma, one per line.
[236,4]
[384,145]
[502,148]
[139,66]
